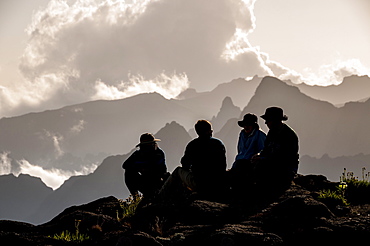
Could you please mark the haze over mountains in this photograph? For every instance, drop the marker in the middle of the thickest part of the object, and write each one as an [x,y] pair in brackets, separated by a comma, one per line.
[77,136]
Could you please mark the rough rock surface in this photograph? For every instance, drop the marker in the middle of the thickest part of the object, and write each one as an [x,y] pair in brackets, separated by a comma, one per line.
[295,218]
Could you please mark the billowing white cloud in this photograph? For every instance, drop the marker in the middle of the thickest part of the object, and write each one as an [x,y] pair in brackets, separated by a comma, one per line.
[335,72]
[53,178]
[169,87]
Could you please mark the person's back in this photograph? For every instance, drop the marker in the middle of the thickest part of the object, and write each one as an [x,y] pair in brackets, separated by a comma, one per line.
[281,147]
[203,166]
[205,157]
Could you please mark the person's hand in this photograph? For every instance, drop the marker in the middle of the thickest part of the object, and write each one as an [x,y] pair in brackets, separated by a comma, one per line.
[256,158]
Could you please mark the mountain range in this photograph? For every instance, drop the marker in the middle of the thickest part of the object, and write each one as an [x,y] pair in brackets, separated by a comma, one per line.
[106,132]
[352,89]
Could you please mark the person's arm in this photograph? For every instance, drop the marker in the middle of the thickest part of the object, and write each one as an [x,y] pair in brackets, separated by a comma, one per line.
[162,162]
[130,162]
[260,141]
[186,159]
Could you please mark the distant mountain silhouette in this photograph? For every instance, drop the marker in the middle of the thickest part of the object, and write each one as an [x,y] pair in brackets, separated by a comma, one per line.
[353,88]
[20,195]
[333,167]
[228,110]
[174,139]
[229,135]
[208,104]
[77,135]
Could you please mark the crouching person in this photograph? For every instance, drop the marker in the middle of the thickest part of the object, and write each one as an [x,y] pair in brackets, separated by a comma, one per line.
[145,169]
[203,167]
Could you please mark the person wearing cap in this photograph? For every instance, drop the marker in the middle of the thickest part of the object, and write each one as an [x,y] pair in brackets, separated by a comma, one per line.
[251,141]
[277,163]
[203,167]
[145,169]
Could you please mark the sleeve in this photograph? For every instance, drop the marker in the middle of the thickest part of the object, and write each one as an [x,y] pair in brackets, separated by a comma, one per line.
[220,157]
[130,162]
[261,141]
[162,162]
[240,143]
[186,159]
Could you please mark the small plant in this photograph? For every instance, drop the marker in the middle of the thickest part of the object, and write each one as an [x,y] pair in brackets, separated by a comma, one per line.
[71,237]
[333,198]
[357,191]
[129,207]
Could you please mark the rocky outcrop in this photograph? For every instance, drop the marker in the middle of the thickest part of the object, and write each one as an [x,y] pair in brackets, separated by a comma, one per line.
[295,218]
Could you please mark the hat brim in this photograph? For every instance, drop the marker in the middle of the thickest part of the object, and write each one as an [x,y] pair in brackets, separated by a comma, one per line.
[241,123]
[266,117]
[148,142]
[245,123]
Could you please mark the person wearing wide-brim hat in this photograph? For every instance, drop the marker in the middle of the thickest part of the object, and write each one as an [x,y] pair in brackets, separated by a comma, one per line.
[145,169]
[277,163]
[274,114]
[147,139]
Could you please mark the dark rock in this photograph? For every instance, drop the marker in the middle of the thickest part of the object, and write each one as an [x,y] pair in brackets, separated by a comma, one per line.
[97,216]
[137,239]
[243,235]
[208,212]
[315,182]
[15,226]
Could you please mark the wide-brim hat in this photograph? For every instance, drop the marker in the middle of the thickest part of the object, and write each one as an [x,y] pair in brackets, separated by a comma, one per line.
[248,120]
[274,113]
[147,138]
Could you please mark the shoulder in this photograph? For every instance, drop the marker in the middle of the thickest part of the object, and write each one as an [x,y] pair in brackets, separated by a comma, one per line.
[216,141]
[135,153]
[290,130]
[159,151]
[260,132]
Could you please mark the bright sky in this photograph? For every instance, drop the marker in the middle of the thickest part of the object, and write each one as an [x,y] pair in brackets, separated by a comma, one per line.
[305,35]
[76,51]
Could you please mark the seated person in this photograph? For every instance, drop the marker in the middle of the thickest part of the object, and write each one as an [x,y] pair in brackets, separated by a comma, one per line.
[251,141]
[203,166]
[145,169]
[277,164]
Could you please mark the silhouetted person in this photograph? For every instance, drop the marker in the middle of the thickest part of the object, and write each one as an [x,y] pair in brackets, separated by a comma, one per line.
[145,169]
[251,141]
[203,166]
[277,163]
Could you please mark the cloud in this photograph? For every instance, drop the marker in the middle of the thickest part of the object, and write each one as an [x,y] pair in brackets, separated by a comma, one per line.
[78,127]
[103,49]
[84,50]
[169,87]
[5,163]
[53,178]
[57,142]
[335,72]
